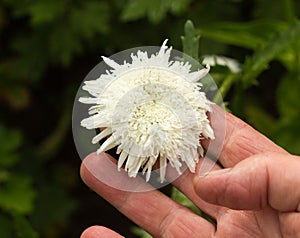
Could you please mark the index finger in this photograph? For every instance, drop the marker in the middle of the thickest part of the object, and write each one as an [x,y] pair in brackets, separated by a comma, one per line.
[240,140]
[152,210]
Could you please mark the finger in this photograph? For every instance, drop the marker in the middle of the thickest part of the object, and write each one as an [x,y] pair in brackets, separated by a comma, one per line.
[290,224]
[184,183]
[99,231]
[240,140]
[239,143]
[270,179]
[152,210]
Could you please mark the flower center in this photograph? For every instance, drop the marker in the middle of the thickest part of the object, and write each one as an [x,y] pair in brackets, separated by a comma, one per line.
[150,121]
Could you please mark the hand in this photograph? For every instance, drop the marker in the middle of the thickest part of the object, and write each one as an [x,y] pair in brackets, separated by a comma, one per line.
[257,195]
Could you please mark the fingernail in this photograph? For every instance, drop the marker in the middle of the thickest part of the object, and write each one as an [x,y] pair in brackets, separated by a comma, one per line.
[214,173]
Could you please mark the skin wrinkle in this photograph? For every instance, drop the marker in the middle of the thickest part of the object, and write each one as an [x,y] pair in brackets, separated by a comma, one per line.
[174,220]
[264,191]
[140,216]
[268,218]
[238,131]
[234,218]
[168,221]
[121,205]
[276,201]
[241,137]
[263,198]
[266,187]
[257,223]
[254,190]
[230,191]
[233,143]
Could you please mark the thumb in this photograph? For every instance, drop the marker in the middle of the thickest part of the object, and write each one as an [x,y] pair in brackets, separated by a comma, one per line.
[270,179]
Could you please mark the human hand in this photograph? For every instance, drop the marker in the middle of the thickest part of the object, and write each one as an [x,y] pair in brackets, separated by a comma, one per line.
[257,195]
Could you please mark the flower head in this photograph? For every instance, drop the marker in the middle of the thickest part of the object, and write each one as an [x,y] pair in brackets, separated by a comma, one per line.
[152,110]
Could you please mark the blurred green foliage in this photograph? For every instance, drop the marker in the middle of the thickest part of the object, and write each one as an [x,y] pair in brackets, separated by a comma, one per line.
[47,47]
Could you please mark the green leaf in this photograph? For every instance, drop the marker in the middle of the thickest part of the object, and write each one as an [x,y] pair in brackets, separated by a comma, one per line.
[140,232]
[17,194]
[227,83]
[134,10]
[259,61]
[287,135]
[179,6]
[42,12]
[63,45]
[283,9]
[183,200]
[81,25]
[155,10]
[23,227]
[260,119]
[289,10]
[90,18]
[290,57]
[31,61]
[287,97]
[180,198]
[190,40]
[10,141]
[54,201]
[250,35]
[6,226]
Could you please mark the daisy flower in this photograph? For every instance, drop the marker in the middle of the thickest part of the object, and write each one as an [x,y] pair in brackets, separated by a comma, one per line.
[152,110]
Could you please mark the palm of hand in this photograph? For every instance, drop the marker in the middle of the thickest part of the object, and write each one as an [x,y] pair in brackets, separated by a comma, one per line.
[248,224]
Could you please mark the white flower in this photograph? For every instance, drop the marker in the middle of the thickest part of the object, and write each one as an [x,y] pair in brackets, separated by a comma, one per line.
[152,110]
[233,65]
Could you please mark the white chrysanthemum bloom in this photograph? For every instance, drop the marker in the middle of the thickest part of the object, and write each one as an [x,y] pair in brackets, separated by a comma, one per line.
[152,110]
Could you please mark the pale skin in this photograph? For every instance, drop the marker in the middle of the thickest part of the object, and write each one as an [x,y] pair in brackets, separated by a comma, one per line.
[256,195]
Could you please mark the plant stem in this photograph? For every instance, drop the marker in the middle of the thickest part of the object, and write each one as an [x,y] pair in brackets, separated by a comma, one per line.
[223,90]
